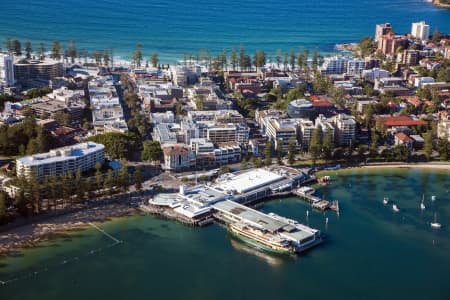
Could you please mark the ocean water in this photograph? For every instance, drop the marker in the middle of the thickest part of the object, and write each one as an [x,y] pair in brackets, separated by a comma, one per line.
[173,28]
[370,252]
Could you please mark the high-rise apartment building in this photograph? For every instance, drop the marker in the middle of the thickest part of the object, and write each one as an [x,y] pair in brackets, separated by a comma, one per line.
[420,30]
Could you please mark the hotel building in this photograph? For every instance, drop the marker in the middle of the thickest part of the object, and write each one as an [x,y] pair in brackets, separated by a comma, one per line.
[61,161]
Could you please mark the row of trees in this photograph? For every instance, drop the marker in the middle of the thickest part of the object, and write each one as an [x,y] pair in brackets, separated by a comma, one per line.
[138,57]
[59,51]
[35,196]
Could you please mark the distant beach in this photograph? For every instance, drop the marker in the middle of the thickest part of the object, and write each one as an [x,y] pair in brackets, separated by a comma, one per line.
[29,235]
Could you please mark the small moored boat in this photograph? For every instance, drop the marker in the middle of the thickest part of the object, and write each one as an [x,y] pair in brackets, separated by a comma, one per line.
[395,208]
[422,206]
[435,224]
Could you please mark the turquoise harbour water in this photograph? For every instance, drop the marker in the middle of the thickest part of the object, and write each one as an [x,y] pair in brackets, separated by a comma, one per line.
[173,27]
[370,252]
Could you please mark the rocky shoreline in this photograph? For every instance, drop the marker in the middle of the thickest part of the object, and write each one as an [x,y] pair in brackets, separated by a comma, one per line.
[29,235]
[441,5]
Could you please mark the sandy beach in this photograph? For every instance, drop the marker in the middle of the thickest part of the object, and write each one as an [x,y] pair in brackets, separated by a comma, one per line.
[435,166]
[29,235]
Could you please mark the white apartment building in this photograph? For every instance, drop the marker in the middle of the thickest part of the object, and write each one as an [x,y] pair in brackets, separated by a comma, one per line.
[345,127]
[333,65]
[374,74]
[340,65]
[355,67]
[281,131]
[306,132]
[222,133]
[6,70]
[444,128]
[61,161]
[227,153]
[420,30]
[419,82]
[325,125]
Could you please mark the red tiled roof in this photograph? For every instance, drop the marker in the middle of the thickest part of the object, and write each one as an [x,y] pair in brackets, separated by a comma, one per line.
[175,150]
[321,103]
[402,121]
[404,137]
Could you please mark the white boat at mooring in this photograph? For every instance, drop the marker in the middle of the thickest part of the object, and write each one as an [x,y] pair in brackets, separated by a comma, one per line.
[395,208]
[435,224]
[422,205]
[385,200]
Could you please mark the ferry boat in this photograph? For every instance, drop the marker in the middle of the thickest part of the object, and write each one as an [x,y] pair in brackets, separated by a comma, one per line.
[261,239]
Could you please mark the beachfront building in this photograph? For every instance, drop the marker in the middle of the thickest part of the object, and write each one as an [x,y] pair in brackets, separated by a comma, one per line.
[325,125]
[382,29]
[306,132]
[281,131]
[333,65]
[28,71]
[6,70]
[61,161]
[444,128]
[420,30]
[345,129]
[389,43]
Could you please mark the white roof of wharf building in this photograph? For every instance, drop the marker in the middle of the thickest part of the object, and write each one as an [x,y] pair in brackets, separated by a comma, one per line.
[249,181]
[61,154]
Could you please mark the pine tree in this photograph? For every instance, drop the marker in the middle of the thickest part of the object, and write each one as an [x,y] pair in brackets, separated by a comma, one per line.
[138,178]
[79,185]
[41,51]
[28,49]
[292,150]
[278,58]
[154,59]
[244,164]
[292,59]
[137,56]
[109,182]
[106,58]
[443,147]
[315,144]
[72,51]
[233,58]
[8,45]
[56,50]
[268,153]
[123,178]
[98,177]
[428,144]
[279,151]
[328,144]
[3,214]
